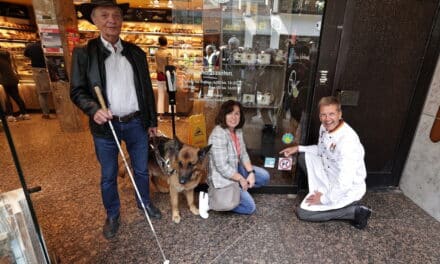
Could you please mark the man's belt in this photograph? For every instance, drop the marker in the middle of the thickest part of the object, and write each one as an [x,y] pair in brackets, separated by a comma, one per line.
[126,118]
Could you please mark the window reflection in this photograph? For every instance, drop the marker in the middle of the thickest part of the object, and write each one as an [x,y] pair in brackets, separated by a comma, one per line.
[265,54]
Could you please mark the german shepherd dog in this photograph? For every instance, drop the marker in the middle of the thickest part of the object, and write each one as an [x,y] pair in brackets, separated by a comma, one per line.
[184,166]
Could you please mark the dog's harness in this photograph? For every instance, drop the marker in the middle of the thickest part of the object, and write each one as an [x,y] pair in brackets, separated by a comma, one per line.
[164,163]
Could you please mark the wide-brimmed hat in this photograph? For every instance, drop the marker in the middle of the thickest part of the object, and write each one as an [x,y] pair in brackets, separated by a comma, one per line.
[87,8]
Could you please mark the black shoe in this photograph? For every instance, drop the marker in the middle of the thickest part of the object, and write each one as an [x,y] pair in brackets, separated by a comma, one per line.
[152,211]
[111,227]
[361,215]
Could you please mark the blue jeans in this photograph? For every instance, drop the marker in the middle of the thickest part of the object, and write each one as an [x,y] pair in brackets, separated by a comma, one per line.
[136,141]
[247,203]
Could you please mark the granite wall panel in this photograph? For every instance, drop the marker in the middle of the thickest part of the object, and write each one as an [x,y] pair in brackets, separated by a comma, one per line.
[421,177]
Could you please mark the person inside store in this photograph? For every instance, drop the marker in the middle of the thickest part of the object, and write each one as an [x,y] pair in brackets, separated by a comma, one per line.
[9,80]
[34,51]
[335,170]
[210,60]
[120,69]
[163,58]
[229,162]
[229,51]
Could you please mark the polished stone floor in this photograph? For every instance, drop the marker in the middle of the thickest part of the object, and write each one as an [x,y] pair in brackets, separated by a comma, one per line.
[71,216]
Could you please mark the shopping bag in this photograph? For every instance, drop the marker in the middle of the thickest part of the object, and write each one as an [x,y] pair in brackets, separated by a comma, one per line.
[197,130]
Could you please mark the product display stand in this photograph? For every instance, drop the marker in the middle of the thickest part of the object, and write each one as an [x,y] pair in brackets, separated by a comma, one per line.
[26,192]
[170,72]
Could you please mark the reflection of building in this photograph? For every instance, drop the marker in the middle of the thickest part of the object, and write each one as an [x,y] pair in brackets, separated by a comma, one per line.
[18,240]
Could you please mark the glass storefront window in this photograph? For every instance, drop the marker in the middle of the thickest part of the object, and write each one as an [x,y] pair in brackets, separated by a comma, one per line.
[265,54]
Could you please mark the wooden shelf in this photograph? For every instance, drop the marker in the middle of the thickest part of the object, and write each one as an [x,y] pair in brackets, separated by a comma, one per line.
[154,33]
[16,40]
[18,29]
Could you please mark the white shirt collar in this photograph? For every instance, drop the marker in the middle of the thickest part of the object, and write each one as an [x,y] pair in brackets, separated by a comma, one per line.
[110,46]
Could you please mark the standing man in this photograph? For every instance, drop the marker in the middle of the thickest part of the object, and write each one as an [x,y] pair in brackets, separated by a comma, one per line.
[210,60]
[335,170]
[34,51]
[120,69]
[163,58]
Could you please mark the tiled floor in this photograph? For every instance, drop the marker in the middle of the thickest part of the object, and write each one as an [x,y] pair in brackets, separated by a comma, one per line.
[71,215]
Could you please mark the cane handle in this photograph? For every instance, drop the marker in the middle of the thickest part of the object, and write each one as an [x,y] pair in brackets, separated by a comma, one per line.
[100,97]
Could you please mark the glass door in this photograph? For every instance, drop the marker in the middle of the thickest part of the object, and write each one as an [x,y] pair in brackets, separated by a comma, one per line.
[266,53]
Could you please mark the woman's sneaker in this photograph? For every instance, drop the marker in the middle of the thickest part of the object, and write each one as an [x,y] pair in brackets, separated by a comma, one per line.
[11,119]
[24,117]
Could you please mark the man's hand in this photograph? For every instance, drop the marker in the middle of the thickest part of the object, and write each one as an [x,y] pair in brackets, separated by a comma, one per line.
[102,116]
[152,131]
[314,199]
[289,151]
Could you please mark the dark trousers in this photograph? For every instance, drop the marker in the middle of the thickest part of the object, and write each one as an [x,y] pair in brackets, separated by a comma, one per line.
[136,141]
[12,92]
[346,213]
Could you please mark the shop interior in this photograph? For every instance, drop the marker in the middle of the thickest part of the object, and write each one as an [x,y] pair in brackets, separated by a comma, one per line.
[265,57]
[265,54]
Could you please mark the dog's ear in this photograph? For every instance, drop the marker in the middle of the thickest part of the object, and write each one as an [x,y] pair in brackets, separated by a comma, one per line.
[203,152]
[178,144]
[172,148]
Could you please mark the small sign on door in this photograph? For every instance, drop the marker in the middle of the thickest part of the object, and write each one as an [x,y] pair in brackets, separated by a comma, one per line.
[284,163]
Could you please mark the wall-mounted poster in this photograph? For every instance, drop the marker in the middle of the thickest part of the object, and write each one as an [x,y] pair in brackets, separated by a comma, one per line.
[50,38]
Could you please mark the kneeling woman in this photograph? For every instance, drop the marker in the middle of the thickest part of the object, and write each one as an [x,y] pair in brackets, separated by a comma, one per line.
[229,161]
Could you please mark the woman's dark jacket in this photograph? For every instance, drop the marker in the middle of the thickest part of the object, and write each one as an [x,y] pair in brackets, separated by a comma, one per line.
[88,71]
[7,73]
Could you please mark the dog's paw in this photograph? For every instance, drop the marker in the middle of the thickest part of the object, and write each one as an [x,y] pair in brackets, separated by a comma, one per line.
[176,219]
[194,210]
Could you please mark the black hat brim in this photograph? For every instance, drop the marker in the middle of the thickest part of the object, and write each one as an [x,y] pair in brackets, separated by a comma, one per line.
[86,9]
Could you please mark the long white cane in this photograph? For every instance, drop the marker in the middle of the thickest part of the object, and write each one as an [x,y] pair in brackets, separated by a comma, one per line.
[103,106]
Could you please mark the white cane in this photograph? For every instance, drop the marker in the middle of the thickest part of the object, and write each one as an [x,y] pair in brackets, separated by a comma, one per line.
[103,105]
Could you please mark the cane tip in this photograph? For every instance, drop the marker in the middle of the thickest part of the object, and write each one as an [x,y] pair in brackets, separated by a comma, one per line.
[166,261]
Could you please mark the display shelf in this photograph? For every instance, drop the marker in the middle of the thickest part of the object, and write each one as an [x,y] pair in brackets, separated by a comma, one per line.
[14,38]
[153,33]
[255,64]
[170,47]
[184,40]
[226,98]
[17,35]
[19,27]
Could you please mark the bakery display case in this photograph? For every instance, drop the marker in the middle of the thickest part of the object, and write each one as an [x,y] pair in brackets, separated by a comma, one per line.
[185,42]
[13,37]
[184,32]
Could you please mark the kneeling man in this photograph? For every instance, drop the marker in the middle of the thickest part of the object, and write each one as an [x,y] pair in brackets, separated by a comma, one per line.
[335,170]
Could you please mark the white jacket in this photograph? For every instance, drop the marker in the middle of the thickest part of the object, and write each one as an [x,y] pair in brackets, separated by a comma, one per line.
[336,168]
